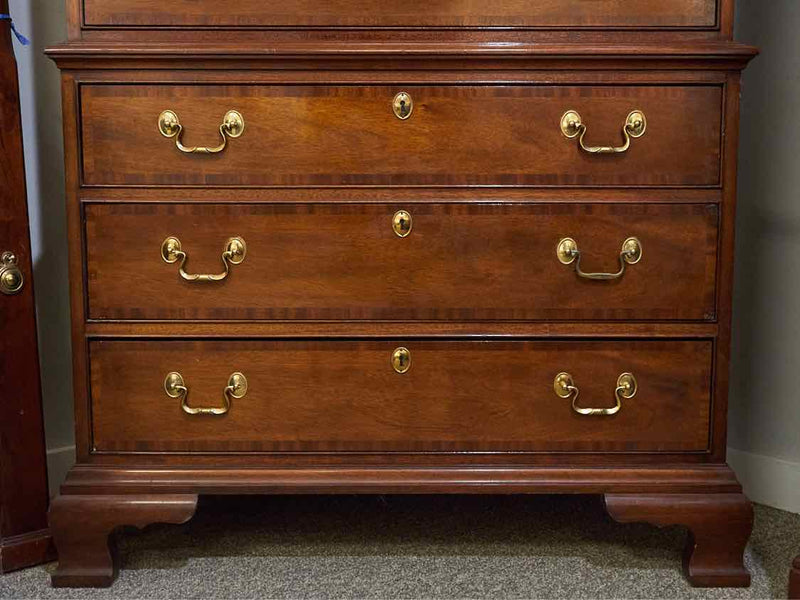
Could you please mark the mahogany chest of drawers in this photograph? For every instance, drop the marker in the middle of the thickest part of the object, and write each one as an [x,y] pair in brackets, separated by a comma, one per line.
[421,247]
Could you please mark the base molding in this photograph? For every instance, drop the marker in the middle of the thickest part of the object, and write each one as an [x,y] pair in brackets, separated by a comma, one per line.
[93,479]
[719,527]
[26,550]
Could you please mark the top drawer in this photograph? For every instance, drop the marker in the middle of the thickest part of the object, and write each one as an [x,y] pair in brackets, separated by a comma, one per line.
[522,14]
[444,136]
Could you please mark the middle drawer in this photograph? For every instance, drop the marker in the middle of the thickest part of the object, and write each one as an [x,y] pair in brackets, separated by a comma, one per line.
[394,262]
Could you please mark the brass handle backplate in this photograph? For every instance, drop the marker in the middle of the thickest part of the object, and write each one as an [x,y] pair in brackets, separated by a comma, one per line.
[175,387]
[401,360]
[170,127]
[572,126]
[403,105]
[568,253]
[11,279]
[234,253]
[564,387]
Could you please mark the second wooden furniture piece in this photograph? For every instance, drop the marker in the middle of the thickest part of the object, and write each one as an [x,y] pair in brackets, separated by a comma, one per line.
[421,247]
[25,539]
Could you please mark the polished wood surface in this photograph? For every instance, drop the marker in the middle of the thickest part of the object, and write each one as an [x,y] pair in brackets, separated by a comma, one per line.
[346,397]
[24,537]
[719,527]
[412,13]
[83,525]
[318,136]
[460,262]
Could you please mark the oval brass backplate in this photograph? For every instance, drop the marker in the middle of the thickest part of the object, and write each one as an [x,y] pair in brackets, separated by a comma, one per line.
[402,223]
[11,280]
[172,383]
[571,124]
[567,251]
[236,250]
[233,123]
[403,106]
[632,250]
[628,385]
[170,248]
[562,384]
[636,124]
[401,360]
[168,124]
[238,382]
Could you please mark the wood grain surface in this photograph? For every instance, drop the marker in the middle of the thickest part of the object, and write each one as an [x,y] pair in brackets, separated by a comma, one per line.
[341,396]
[344,136]
[344,262]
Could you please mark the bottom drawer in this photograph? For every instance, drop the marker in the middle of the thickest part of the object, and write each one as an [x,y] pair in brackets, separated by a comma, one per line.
[348,396]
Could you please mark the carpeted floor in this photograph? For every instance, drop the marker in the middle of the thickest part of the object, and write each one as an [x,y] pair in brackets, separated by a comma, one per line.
[417,547]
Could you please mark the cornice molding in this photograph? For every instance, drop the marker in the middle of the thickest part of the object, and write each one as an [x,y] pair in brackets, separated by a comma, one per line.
[113,55]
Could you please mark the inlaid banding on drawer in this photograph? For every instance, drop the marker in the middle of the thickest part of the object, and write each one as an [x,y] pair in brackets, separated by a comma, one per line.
[342,396]
[348,262]
[349,136]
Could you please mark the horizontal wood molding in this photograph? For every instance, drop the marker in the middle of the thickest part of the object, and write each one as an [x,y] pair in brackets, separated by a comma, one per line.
[401,480]
[209,55]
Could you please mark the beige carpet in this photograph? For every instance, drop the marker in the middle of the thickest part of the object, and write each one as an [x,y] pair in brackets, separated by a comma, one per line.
[417,547]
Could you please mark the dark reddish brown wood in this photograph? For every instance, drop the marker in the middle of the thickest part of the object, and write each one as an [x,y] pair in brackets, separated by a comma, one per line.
[82,527]
[400,479]
[315,136]
[719,527]
[324,154]
[345,262]
[24,539]
[412,13]
[794,580]
[345,396]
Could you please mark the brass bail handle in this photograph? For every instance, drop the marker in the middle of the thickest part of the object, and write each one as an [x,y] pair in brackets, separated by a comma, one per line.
[11,279]
[630,254]
[175,387]
[572,126]
[170,127]
[564,387]
[234,254]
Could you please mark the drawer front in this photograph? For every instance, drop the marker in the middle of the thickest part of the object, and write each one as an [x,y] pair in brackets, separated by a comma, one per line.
[456,136]
[459,261]
[312,396]
[411,13]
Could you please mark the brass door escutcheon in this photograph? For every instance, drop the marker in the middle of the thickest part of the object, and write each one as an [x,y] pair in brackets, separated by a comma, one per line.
[402,223]
[401,360]
[403,105]
[170,127]
[572,126]
[175,387]
[564,387]
[234,253]
[11,279]
[568,253]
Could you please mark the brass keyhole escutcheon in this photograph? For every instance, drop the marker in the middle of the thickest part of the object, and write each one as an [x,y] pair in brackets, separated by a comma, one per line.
[11,279]
[402,223]
[403,106]
[401,360]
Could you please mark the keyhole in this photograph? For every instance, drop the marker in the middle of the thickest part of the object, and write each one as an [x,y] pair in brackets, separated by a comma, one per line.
[403,106]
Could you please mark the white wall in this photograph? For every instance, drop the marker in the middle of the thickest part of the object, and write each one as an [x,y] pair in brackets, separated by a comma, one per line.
[765,394]
[765,401]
